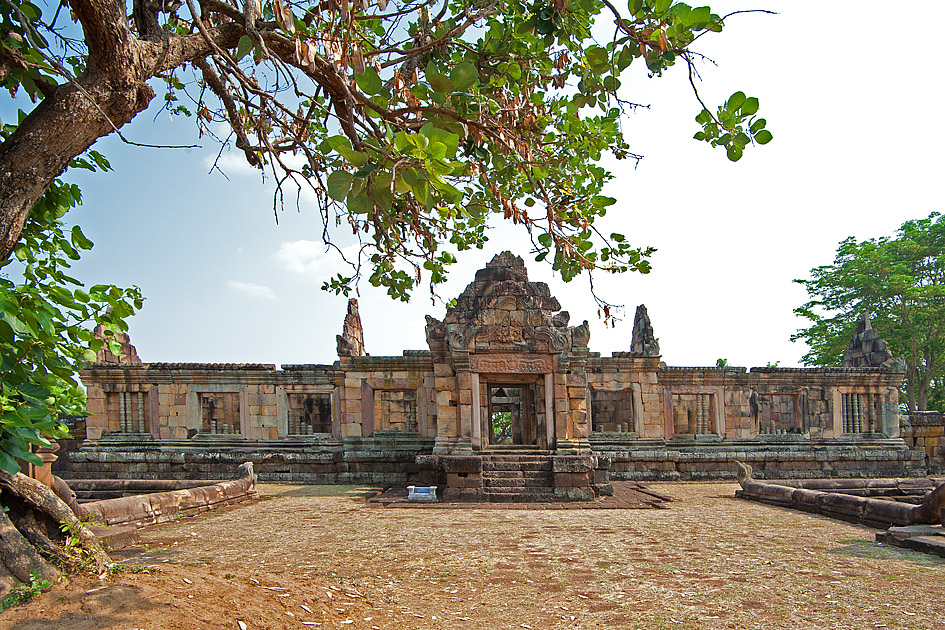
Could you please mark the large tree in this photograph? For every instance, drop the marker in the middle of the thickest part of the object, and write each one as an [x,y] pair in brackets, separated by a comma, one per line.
[900,283]
[413,120]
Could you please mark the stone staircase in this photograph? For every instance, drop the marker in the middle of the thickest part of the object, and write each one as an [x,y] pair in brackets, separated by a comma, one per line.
[518,477]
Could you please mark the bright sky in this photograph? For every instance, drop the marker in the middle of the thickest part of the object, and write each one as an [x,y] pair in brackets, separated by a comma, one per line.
[852,95]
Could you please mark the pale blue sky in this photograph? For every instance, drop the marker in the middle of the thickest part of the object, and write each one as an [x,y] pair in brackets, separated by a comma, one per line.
[853,99]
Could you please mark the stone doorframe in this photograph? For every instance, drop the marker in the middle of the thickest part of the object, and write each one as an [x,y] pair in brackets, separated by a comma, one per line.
[511,366]
[476,384]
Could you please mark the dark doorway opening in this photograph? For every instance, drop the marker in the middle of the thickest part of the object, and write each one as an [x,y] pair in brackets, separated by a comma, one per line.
[512,415]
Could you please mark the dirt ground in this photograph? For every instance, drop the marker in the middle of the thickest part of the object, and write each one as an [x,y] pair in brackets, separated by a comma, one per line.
[317,556]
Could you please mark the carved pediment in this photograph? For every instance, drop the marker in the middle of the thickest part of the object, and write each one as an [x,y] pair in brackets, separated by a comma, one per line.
[502,310]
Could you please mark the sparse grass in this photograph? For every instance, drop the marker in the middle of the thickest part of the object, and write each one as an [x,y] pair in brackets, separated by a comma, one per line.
[22,593]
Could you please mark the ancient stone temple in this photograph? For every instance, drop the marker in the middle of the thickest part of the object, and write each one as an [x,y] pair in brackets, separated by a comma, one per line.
[507,400]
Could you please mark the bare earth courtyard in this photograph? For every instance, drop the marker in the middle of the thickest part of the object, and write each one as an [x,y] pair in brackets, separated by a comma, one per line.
[319,556]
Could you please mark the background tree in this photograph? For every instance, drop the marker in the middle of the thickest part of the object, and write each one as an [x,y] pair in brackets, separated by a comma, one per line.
[900,282]
[412,120]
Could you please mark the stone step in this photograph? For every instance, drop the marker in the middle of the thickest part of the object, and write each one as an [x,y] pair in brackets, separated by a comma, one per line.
[499,449]
[516,495]
[520,466]
[516,458]
[515,483]
[517,474]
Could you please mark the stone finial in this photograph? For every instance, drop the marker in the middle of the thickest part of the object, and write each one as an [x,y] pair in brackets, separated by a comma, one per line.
[581,335]
[643,341]
[508,259]
[128,355]
[867,350]
[351,340]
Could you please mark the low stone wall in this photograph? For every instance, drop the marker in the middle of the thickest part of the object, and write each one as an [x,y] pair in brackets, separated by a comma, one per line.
[924,432]
[836,503]
[796,461]
[386,461]
[378,460]
[161,507]
[98,489]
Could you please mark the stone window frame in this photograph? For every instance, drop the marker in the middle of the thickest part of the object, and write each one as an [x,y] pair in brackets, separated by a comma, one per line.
[369,422]
[150,408]
[879,423]
[194,412]
[282,408]
[636,400]
[716,403]
[798,412]
[417,408]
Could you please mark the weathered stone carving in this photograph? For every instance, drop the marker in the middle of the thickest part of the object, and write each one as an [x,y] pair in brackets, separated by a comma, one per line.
[503,310]
[351,340]
[128,354]
[643,342]
[866,349]
[581,335]
[510,364]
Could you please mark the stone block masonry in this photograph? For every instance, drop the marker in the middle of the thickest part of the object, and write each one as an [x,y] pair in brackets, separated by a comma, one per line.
[924,432]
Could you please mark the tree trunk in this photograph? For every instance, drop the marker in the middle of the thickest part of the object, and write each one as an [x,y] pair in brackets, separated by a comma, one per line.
[20,557]
[62,127]
[39,499]
[111,92]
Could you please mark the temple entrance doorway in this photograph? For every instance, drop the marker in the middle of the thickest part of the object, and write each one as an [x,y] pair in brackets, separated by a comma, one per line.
[512,415]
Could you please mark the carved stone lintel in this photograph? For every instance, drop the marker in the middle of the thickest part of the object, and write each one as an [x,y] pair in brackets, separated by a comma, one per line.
[510,364]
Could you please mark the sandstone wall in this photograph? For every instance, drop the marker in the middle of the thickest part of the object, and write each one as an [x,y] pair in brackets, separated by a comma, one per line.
[924,432]
[177,402]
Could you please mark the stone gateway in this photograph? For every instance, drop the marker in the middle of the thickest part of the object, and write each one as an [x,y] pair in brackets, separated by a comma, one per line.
[506,402]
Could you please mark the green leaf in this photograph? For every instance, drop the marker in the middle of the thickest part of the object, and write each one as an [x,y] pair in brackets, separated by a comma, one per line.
[335,143]
[338,183]
[438,81]
[358,202]
[6,332]
[369,82]
[464,76]
[763,137]
[597,58]
[79,239]
[380,190]
[243,47]
[435,134]
[700,15]
[750,107]
[30,11]
[735,101]
[7,463]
